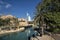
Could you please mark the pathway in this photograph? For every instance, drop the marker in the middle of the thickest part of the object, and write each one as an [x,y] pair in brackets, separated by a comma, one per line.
[44,37]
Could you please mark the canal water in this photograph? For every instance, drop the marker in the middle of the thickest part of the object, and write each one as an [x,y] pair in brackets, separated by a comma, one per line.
[18,35]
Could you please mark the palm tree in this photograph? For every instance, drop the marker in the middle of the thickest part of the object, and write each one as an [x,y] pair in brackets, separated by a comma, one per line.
[39,21]
[47,10]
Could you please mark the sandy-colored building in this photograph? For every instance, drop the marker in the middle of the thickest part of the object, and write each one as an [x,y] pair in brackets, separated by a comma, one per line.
[7,16]
[22,22]
[30,23]
[12,19]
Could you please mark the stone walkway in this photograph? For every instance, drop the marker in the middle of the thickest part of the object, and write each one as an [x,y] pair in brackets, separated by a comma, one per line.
[44,37]
[56,36]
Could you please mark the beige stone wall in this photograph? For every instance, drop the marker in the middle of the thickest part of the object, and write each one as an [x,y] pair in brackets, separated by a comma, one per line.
[23,22]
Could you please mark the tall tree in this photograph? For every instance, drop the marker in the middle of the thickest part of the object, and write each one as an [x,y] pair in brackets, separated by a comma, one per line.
[49,13]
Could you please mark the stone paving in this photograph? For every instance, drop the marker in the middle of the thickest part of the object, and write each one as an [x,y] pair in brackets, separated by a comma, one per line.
[56,36]
[44,37]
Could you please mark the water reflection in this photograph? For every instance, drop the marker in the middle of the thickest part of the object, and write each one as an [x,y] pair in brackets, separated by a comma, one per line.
[18,35]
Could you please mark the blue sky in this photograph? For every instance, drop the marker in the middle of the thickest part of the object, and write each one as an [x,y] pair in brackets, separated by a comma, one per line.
[18,8]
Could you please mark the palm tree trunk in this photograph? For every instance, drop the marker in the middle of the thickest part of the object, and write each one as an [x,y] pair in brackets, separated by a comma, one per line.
[41,25]
[42,30]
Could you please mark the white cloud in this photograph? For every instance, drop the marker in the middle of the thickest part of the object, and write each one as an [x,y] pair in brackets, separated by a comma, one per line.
[4,4]
[8,6]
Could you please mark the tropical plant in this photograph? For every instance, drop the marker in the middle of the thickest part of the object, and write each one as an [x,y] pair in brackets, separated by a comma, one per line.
[49,13]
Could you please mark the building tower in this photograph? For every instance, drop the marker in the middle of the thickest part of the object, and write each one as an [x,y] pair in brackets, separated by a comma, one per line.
[28,17]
